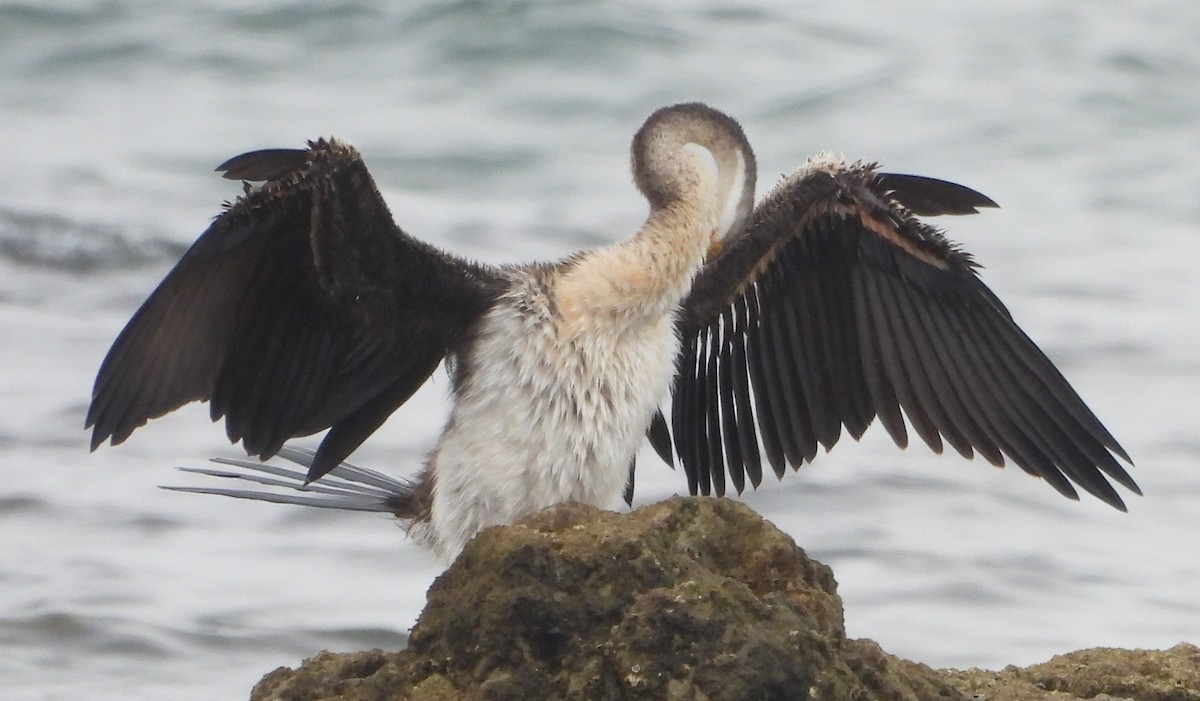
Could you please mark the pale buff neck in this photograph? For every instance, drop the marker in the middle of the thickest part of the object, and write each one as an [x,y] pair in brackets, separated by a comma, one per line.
[643,279]
[696,170]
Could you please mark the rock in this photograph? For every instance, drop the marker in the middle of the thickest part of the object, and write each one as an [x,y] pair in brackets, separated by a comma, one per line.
[693,598]
[1100,674]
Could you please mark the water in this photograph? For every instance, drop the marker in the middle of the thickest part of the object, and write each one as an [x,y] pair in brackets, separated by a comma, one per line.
[500,130]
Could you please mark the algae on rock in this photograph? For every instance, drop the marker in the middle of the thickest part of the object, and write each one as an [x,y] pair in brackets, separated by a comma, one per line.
[692,598]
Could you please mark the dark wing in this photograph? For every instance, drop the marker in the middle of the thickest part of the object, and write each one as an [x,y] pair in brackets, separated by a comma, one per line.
[302,307]
[837,306]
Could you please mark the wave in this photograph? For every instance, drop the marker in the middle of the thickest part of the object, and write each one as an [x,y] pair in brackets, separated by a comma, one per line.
[47,240]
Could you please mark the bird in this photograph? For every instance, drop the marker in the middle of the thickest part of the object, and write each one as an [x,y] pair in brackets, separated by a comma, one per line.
[766,328]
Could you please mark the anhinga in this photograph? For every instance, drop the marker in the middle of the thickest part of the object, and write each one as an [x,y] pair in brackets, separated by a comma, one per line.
[304,307]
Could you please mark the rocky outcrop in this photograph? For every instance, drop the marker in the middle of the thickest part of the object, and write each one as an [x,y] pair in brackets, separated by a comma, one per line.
[689,599]
[1100,674]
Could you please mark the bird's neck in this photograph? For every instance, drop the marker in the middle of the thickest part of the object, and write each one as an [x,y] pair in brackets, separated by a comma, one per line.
[645,278]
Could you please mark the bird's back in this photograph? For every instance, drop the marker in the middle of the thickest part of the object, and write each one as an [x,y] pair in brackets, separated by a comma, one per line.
[544,411]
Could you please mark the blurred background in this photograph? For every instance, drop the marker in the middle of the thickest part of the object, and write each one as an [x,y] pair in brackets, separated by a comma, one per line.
[500,130]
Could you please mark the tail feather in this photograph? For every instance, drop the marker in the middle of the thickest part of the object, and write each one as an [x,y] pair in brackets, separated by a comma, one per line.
[349,491]
[347,487]
[346,471]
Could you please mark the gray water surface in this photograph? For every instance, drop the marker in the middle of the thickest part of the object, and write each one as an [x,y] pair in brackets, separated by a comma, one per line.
[500,130]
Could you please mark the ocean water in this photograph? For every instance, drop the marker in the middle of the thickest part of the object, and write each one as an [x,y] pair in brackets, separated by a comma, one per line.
[500,130]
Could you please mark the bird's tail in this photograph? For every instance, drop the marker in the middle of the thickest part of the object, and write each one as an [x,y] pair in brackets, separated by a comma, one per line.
[347,486]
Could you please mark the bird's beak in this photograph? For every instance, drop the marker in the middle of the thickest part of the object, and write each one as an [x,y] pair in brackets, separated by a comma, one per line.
[714,245]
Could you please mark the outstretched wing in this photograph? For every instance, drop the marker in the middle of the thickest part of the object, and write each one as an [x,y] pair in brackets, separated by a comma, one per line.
[837,306]
[302,307]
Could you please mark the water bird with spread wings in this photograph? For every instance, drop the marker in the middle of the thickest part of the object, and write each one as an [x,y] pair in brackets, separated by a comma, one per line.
[771,327]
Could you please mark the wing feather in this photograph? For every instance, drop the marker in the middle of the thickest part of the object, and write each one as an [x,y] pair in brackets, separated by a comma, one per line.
[969,435]
[795,433]
[885,404]
[302,307]
[743,417]
[770,422]
[712,396]
[682,419]
[836,305]
[659,435]
[791,350]
[701,402]
[902,368]
[730,435]
[825,405]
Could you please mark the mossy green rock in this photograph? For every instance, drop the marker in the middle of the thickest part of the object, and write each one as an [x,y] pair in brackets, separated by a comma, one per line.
[1100,674]
[688,599]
